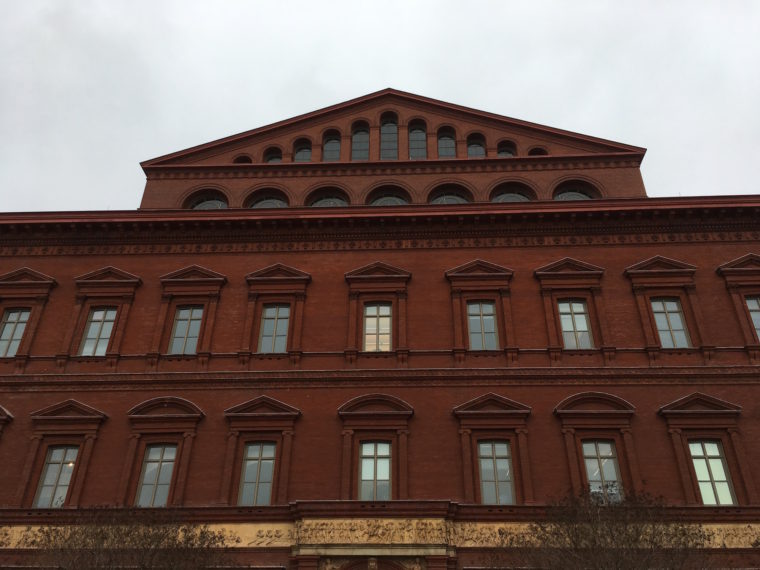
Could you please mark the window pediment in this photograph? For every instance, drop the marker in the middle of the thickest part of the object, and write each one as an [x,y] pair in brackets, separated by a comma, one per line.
[69,416]
[569,273]
[5,417]
[263,408]
[278,274]
[492,411]
[172,411]
[594,409]
[661,271]
[376,410]
[110,279]
[479,273]
[376,276]
[744,270]
[25,281]
[193,277]
[700,406]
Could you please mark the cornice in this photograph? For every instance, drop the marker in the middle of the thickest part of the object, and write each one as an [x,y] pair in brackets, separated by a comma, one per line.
[395,168]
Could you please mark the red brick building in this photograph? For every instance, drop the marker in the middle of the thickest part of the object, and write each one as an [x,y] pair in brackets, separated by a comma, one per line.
[372,334]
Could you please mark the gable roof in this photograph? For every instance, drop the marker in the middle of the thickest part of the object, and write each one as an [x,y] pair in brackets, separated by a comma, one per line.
[389,95]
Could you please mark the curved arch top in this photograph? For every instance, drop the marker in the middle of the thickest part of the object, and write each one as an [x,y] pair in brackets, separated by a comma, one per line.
[166,406]
[590,402]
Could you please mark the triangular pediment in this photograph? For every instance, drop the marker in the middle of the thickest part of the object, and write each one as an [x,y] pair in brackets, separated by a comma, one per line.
[434,112]
[660,264]
[479,269]
[278,273]
[193,273]
[166,406]
[491,405]
[5,415]
[263,406]
[25,276]
[746,265]
[69,409]
[378,270]
[700,404]
[107,275]
[569,267]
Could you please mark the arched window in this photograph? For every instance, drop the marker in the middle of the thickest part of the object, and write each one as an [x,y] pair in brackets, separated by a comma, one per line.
[242,159]
[208,199]
[331,146]
[302,151]
[268,198]
[360,142]
[506,149]
[450,194]
[328,198]
[417,140]
[575,190]
[476,146]
[538,151]
[272,155]
[388,196]
[447,144]
[388,137]
[512,192]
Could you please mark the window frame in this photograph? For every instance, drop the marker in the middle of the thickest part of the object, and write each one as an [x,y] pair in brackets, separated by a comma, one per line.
[422,150]
[377,283]
[389,142]
[262,419]
[712,480]
[106,309]
[374,417]
[43,473]
[360,443]
[493,417]
[604,494]
[14,326]
[447,133]
[742,278]
[571,302]
[25,288]
[190,286]
[356,128]
[700,416]
[670,330]
[66,423]
[378,318]
[140,482]
[494,314]
[494,458]
[241,478]
[173,336]
[165,420]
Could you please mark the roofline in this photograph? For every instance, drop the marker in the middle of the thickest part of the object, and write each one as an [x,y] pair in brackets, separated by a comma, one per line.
[542,207]
[397,93]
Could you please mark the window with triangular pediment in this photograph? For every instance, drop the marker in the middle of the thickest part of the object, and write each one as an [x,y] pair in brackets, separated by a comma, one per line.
[23,294]
[574,307]
[187,313]
[670,313]
[377,318]
[274,317]
[58,458]
[706,433]
[481,308]
[99,315]
[494,440]
[742,276]
[259,446]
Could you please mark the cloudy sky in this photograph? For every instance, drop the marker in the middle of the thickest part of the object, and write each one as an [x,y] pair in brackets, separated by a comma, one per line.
[89,88]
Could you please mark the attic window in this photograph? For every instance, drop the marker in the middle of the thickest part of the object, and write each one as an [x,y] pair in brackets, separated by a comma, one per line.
[476,146]
[575,190]
[388,196]
[328,198]
[447,144]
[388,137]
[360,141]
[272,155]
[242,159]
[302,151]
[512,192]
[450,194]
[331,147]
[267,198]
[208,199]
[506,149]
[538,151]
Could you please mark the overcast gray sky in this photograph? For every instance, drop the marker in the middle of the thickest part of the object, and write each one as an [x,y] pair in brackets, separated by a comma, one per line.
[88,88]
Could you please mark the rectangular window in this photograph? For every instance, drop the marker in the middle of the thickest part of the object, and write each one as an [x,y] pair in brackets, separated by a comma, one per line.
[377,327]
[56,476]
[576,332]
[712,474]
[375,471]
[753,304]
[670,324]
[257,475]
[496,485]
[97,331]
[274,328]
[602,470]
[12,330]
[187,326]
[156,476]
[481,322]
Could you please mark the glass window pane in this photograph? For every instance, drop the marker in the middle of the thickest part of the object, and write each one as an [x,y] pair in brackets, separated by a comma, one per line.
[488,493]
[484,449]
[165,473]
[609,472]
[280,344]
[474,324]
[383,491]
[263,495]
[150,473]
[502,469]
[700,468]
[680,340]
[592,470]
[251,471]
[712,449]
[146,495]
[724,494]
[605,448]
[589,449]
[501,449]
[367,491]
[383,448]
[486,470]
[489,324]
[170,451]
[190,345]
[162,495]
[383,469]
[490,341]
[246,495]
[45,497]
[584,340]
[708,495]
[267,470]
[505,494]
[716,467]
[368,469]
